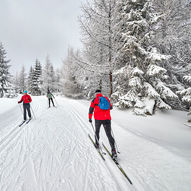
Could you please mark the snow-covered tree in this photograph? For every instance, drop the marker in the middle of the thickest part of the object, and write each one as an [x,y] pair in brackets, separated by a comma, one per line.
[34,79]
[57,86]
[173,37]
[30,80]
[48,76]
[186,93]
[15,81]
[4,72]
[97,27]
[70,75]
[22,84]
[145,89]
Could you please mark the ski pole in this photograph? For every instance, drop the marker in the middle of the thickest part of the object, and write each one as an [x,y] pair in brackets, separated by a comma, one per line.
[56,102]
[115,141]
[33,112]
[95,133]
[48,102]
[20,108]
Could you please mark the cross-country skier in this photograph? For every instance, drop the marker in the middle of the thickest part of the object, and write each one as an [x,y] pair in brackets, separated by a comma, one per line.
[189,116]
[50,96]
[102,117]
[26,99]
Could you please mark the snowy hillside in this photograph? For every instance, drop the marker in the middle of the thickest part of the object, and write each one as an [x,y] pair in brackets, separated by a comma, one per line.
[53,151]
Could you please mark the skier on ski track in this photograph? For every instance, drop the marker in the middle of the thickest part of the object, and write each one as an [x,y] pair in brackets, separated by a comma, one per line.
[102,117]
[50,96]
[26,99]
[189,115]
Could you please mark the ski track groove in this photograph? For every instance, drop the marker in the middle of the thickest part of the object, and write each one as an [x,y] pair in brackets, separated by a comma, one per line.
[71,151]
[84,124]
[11,136]
[29,140]
[137,171]
[14,136]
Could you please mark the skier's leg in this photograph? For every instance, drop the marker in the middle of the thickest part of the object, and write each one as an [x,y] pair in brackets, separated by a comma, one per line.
[52,101]
[29,111]
[107,127]
[24,110]
[49,101]
[97,129]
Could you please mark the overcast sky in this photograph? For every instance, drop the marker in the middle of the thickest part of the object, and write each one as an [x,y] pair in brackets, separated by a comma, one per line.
[31,29]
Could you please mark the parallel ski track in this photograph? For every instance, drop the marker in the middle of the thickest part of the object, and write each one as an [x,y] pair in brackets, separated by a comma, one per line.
[88,130]
[143,136]
[77,118]
[14,133]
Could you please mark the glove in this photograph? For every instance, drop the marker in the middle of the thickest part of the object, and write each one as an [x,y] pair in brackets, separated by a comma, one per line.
[90,120]
[18,101]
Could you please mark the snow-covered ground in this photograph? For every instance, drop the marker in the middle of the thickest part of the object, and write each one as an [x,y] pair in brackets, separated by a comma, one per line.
[53,151]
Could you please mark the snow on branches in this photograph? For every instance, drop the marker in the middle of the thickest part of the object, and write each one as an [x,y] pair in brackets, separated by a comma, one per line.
[186,93]
[145,89]
[4,73]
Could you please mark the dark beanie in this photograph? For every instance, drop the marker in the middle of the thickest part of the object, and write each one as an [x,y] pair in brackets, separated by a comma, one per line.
[98,91]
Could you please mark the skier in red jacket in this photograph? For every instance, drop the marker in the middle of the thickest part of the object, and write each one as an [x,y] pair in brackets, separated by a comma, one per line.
[26,99]
[102,117]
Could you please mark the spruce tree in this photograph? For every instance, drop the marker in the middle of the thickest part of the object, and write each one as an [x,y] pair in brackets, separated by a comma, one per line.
[4,72]
[30,79]
[145,89]
[37,72]
[22,80]
[34,79]
[186,93]
[48,77]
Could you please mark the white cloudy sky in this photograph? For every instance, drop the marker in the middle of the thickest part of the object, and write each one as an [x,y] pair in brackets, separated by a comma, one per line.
[31,29]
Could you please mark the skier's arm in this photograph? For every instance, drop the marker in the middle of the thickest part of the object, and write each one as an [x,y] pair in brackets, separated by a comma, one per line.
[91,109]
[29,99]
[21,100]
[52,95]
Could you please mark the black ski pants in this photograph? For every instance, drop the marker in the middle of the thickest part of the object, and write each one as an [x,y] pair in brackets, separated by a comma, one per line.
[107,126]
[26,108]
[49,101]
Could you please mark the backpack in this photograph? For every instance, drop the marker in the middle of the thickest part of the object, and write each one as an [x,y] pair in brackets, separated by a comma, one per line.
[103,103]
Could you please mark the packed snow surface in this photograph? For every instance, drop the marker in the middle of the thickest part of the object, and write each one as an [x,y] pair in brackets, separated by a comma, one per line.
[53,152]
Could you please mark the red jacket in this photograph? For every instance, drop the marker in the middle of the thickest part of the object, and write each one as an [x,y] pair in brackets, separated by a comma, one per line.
[25,99]
[99,114]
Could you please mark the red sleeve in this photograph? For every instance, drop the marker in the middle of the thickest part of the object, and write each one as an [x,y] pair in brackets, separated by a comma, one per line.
[91,109]
[92,104]
[29,98]
[21,100]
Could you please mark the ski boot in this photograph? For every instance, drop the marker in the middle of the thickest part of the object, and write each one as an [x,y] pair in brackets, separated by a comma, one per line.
[114,154]
[96,145]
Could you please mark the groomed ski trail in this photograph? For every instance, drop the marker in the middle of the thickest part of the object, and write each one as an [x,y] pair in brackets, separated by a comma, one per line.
[53,153]
[150,166]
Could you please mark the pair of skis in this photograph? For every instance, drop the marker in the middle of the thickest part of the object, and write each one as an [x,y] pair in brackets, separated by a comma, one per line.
[101,153]
[24,122]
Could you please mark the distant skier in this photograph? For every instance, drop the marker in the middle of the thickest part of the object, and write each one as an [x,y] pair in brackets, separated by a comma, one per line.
[50,96]
[101,107]
[189,116]
[26,99]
